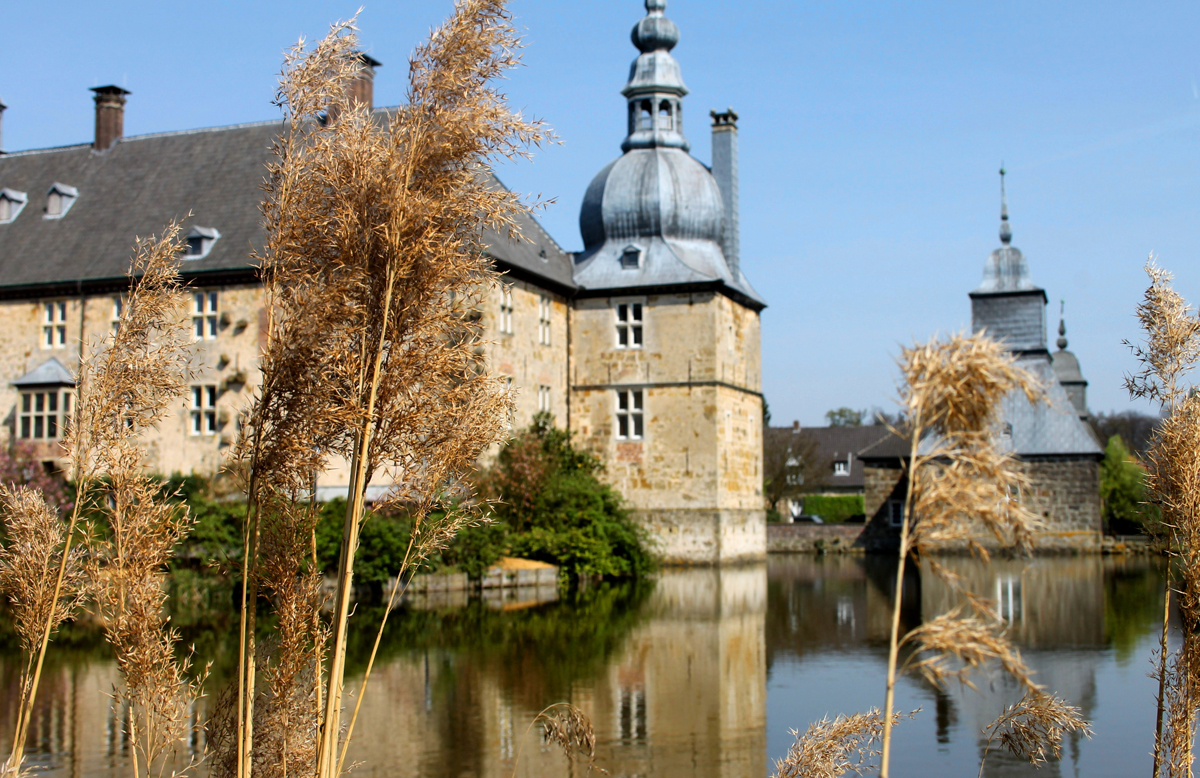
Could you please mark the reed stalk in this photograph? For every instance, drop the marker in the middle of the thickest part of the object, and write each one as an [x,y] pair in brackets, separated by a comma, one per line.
[374,269]
[1169,352]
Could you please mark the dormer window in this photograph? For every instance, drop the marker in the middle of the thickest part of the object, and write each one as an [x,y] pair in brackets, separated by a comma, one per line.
[11,203]
[200,241]
[59,200]
[631,258]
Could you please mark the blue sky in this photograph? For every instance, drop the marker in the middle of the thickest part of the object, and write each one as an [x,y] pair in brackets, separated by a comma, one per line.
[871,135]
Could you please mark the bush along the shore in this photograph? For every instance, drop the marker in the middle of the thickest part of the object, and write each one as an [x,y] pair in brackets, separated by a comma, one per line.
[550,505]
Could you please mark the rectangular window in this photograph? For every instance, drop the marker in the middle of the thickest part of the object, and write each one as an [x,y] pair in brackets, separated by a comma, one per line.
[204,315]
[544,320]
[841,467]
[630,422]
[629,325]
[45,414]
[118,309]
[895,512]
[631,714]
[544,399]
[506,310]
[204,409]
[54,324]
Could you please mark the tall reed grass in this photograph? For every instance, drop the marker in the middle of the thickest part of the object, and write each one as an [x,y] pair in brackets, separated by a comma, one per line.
[963,491]
[1168,354]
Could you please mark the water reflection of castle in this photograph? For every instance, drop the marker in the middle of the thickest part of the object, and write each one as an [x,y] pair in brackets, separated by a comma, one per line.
[685,695]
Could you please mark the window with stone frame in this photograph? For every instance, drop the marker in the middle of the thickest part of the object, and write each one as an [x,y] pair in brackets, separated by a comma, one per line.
[543,399]
[544,320]
[205,322]
[630,415]
[630,326]
[506,309]
[45,413]
[54,324]
[204,409]
[118,308]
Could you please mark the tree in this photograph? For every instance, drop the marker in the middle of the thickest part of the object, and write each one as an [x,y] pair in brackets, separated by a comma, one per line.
[845,417]
[1135,429]
[1122,488]
[792,464]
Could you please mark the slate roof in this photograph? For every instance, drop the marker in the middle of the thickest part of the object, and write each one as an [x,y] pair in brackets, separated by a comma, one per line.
[837,444]
[139,185]
[49,373]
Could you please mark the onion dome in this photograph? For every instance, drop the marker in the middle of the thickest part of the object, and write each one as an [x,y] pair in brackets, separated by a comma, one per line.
[654,216]
[1006,269]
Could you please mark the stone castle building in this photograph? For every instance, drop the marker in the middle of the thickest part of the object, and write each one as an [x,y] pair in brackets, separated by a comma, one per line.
[1053,441]
[645,344]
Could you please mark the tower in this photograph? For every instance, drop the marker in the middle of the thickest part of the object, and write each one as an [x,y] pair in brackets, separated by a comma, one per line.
[1056,448]
[1066,370]
[666,364]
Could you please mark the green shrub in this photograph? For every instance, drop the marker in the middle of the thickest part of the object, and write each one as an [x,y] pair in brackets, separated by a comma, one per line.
[1123,491]
[834,508]
[556,509]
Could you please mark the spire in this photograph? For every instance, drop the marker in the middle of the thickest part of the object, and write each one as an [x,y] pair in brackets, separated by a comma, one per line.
[1062,326]
[655,88]
[1005,229]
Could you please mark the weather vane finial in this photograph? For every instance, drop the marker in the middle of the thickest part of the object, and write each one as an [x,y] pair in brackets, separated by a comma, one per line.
[1005,229]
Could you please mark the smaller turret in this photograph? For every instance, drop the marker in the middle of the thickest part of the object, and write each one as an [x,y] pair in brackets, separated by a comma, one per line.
[1066,370]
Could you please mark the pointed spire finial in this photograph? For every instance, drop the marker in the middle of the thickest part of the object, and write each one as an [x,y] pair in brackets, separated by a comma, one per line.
[1062,325]
[1005,229]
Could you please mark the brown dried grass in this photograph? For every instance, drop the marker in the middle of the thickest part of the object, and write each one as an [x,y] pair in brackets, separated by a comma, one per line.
[373,269]
[1033,728]
[1168,354]
[832,748]
[128,385]
[569,728]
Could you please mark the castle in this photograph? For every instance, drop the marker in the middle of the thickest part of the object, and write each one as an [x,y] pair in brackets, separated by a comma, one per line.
[645,344]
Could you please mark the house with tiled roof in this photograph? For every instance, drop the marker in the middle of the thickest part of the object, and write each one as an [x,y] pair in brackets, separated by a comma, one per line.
[645,343]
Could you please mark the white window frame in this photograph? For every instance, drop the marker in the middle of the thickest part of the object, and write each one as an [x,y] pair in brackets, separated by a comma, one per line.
[202,420]
[630,317]
[841,467]
[630,414]
[506,310]
[54,324]
[205,314]
[12,203]
[63,197]
[118,302]
[44,414]
[543,399]
[544,309]
[199,241]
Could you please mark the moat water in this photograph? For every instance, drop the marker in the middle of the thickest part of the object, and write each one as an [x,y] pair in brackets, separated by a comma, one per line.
[698,673]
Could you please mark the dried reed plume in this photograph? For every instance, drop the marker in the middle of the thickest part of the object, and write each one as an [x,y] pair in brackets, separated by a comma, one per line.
[128,385]
[373,269]
[1170,352]
[1033,728]
[829,749]
[37,598]
[570,729]
[960,482]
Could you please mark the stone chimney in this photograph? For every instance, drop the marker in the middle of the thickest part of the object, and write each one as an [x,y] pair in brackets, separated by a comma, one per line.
[725,171]
[362,89]
[110,116]
[2,107]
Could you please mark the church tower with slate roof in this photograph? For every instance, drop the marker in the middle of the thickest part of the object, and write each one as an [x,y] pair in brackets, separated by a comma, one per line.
[1052,439]
[666,364]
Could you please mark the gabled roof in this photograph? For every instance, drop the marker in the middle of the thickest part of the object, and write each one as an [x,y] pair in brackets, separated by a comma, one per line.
[49,373]
[142,183]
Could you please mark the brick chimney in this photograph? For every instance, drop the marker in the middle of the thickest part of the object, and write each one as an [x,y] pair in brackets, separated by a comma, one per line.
[2,107]
[362,89]
[725,171]
[110,116]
